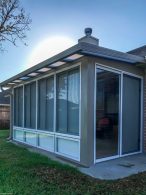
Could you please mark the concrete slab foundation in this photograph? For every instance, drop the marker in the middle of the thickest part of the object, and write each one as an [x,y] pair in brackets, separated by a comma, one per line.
[117,168]
[108,170]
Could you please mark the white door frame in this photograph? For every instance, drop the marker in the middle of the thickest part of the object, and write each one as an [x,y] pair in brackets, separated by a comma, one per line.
[120,73]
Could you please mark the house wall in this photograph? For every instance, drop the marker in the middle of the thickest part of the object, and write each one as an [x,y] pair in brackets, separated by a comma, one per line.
[87,112]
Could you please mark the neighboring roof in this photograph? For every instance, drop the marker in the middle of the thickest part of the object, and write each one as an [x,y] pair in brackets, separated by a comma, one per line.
[140,51]
[87,46]
[4,97]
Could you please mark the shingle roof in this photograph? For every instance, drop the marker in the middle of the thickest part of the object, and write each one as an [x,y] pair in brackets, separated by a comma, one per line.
[140,51]
[111,54]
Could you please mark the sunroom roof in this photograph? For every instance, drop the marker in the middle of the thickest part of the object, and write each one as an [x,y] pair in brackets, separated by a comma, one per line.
[70,55]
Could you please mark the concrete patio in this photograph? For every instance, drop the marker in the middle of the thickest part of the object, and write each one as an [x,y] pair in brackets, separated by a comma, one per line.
[108,170]
[117,168]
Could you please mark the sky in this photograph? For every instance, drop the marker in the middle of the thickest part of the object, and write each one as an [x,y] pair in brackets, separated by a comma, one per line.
[58,24]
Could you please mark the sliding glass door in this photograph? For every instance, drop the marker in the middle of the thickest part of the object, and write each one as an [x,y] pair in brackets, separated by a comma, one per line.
[107,113]
[118,114]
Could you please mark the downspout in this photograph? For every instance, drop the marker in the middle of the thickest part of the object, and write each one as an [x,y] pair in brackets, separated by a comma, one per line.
[11,113]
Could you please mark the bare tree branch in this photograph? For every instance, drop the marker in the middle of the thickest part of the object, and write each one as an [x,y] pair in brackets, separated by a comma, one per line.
[14,22]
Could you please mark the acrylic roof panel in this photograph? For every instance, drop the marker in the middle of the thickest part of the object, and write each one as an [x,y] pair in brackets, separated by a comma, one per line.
[81,49]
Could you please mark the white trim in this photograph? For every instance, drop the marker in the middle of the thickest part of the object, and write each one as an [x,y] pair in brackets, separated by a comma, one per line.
[103,67]
[13,108]
[36,123]
[44,132]
[7,105]
[67,135]
[55,115]
[47,132]
[68,68]
[106,158]
[18,128]
[45,76]
[66,138]
[129,154]
[20,85]
[132,75]
[55,103]
[117,155]
[80,117]
[95,91]
[116,70]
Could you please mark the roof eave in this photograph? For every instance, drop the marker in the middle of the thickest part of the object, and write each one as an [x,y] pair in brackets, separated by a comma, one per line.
[46,63]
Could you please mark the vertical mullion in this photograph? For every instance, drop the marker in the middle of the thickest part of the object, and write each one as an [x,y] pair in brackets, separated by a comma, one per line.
[30,104]
[37,104]
[46,105]
[18,107]
[55,115]
[55,101]
[121,113]
[67,104]
[141,114]
[23,109]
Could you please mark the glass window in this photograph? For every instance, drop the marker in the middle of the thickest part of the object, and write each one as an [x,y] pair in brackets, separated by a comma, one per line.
[30,105]
[73,102]
[46,104]
[68,102]
[62,103]
[18,106]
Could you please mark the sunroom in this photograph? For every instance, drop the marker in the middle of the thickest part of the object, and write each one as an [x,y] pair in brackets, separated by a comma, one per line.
[84,104]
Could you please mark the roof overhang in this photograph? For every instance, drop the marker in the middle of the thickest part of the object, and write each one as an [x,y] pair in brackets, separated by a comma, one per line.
[70,55]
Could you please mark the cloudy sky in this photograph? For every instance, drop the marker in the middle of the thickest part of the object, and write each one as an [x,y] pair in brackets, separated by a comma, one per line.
[58,24]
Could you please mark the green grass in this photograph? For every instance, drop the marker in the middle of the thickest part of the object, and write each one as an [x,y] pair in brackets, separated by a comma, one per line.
[26,173]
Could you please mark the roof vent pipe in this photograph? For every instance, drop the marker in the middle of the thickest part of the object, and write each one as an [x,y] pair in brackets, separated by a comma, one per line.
[88,38]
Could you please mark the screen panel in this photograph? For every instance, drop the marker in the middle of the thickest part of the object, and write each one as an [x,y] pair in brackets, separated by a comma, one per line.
[131,114]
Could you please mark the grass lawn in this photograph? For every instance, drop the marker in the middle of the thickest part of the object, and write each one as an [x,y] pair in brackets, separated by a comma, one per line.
[23,172]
